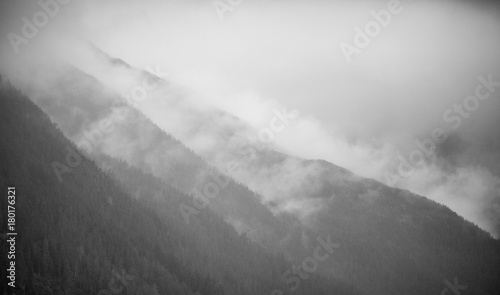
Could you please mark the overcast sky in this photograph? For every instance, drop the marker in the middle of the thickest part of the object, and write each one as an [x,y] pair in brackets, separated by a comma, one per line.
[394,91]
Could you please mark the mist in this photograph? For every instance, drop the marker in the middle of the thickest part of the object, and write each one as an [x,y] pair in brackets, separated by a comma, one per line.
[364,114]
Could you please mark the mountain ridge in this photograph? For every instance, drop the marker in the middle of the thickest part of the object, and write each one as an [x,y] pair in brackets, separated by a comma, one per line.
[368,217]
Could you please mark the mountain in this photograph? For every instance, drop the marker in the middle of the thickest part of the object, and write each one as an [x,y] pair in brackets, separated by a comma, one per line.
[391,241]
[96,232]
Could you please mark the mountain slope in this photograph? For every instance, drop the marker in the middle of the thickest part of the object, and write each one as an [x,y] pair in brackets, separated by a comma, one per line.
[402,239]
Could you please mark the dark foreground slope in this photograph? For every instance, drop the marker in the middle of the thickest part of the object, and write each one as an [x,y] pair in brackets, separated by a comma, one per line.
[88,235]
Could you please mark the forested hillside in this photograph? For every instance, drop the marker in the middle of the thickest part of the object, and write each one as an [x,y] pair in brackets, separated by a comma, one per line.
[396,240]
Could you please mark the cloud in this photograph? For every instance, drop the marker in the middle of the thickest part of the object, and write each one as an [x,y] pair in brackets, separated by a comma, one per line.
[269,54]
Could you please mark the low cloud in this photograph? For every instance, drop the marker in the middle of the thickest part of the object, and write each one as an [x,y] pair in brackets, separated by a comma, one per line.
[286,54]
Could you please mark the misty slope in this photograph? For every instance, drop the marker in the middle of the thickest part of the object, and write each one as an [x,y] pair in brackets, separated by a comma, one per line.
[402,239]
[75,235]
[394,242]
